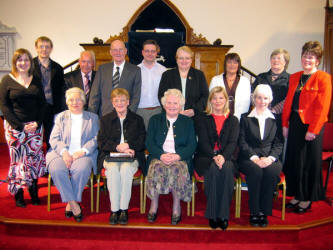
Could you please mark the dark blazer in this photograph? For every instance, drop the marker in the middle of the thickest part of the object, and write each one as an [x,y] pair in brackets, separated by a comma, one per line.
[184,134]
[57,84]
[196,88]
[130,79]
[279,86]
[207,137]
[110,132]
[74,79]
[250,142]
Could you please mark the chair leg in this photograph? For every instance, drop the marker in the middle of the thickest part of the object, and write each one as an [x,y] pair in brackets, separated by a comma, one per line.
[49,193]
[193,195]
[141,193]
[92,192]
[98,179]
[238,197]
[328,174]
[144,195]
[284,192]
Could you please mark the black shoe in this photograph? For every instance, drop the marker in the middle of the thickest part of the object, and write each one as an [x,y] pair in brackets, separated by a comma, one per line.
[151,217]
[113,220]
[223,224]
[33,191]
[291,205]
[19,199]
[213,223]
[263,222]
[301,210]
[254,220]
[123,217]
[68,214]
[79,217]
[175,219]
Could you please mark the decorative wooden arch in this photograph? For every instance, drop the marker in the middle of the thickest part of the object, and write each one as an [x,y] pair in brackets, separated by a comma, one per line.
[191,37]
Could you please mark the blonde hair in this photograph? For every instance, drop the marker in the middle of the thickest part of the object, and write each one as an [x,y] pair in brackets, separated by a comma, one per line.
[218,89]
[176,93]
[186,49]
[119,91]
[263,89]
[75,90]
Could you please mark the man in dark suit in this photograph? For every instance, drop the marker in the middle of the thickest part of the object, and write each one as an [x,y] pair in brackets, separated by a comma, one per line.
[117,74]
[83,77]
[51,75]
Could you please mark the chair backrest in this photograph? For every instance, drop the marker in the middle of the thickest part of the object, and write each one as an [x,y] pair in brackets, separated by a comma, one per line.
[328,137]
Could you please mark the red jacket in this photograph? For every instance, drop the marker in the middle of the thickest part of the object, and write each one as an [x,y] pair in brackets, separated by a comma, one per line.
[314,100]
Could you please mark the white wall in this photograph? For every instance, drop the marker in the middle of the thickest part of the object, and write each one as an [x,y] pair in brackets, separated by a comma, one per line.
[254,27]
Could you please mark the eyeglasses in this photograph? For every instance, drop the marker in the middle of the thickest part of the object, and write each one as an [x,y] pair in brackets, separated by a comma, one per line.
[150,51]
[121,50]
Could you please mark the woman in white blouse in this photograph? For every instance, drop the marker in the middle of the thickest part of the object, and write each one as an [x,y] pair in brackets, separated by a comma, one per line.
[73,151]
[238,87]
[260,147]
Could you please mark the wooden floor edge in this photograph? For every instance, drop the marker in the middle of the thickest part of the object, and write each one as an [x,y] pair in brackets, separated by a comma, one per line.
[303,226]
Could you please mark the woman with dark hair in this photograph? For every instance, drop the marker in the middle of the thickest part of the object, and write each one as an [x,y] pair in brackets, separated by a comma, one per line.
[217,132]
[23,105]
[304,114]
[190,81]
[238,87]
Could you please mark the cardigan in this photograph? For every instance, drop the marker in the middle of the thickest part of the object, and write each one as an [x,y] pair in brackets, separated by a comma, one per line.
[205,128]
[242,95]
[184,134]
[110,134]
[314,100]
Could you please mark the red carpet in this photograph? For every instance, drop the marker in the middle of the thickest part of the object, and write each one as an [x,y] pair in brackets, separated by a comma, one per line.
[193,232]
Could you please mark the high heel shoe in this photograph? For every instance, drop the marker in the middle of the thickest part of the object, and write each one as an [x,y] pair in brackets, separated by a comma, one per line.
[79,217]
[223,224]
[175,219]
[292,205]
[151,217]
[302,210]
[68,214]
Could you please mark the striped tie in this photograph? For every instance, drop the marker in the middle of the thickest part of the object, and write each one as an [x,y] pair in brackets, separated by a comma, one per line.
[86,84]
[115,79]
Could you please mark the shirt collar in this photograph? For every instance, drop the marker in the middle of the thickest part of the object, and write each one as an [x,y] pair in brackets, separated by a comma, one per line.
[267,114]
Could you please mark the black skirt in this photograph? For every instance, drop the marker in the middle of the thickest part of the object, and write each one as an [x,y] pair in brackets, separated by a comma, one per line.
[303,163]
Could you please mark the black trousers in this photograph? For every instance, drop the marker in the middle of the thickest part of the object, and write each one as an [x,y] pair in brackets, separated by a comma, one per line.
[219,186]
[261,183]
[48,123]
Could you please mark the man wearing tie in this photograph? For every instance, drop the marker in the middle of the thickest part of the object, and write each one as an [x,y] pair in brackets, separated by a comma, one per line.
[151,73]
[117,74]
[83,77]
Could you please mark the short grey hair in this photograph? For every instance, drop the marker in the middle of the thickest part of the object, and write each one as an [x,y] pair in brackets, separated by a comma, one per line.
[263,89]
[75,90]
[91,53]
[173,92]
[285,54]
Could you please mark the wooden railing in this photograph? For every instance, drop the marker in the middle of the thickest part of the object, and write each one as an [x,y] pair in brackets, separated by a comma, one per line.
[249,74]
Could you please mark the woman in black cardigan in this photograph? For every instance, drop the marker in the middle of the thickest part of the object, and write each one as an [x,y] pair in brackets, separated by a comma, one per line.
[217,132]
[191,82]
[260,145]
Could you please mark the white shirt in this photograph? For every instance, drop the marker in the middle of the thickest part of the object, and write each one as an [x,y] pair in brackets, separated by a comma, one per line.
[121,67]
[150,82]
[169,143]
[75,144]
[122,130]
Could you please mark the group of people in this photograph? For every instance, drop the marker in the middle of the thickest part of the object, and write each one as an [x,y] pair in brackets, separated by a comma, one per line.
[118,112]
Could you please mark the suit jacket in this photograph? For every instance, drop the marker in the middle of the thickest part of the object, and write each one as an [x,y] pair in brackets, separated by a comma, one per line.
[250,142]
[314,100]
[61,136]
[57,84]
[130,79]
[196,88]
[74,79]
[110,134]
[184,134]
[207,138]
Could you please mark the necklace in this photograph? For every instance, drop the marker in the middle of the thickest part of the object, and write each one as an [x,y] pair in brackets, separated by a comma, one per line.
[303,80]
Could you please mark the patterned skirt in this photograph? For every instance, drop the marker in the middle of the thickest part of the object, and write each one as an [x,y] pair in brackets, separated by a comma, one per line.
[162,179]
[27,161]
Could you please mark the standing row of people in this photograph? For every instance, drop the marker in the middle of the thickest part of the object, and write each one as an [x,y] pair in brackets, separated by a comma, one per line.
[170,139]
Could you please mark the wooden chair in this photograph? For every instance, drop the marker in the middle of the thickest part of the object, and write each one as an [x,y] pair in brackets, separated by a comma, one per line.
[241,179]
[91,192]
[137,175]
[327,154]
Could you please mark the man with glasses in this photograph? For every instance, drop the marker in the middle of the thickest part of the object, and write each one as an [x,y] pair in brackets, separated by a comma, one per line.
[51,76]
[116,74]
[151,73]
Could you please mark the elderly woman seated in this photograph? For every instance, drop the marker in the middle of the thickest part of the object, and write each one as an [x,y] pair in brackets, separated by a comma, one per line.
[122,131]
[73,151]
[171,143]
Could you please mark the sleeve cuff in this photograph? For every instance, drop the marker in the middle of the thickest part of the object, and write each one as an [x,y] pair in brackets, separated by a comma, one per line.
[254,157]
[62,151]
[85,150]
[272,158]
